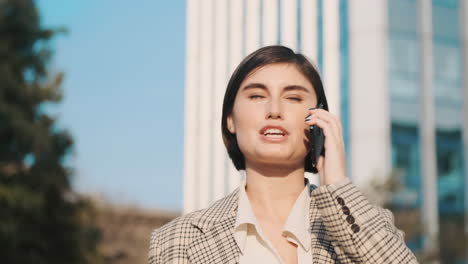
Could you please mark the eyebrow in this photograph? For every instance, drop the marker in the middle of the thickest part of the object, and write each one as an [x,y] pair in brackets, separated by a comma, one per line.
[285,89]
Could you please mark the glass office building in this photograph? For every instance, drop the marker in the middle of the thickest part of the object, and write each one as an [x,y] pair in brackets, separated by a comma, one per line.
[446,123]
[392,70]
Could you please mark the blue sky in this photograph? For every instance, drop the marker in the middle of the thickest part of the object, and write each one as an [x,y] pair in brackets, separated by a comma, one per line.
[124,96]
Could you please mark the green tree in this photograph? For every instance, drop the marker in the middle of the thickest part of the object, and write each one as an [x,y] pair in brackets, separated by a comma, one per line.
[41,219]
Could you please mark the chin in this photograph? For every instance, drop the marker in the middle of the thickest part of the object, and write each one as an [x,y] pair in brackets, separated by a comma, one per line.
[278,163]
[275,157]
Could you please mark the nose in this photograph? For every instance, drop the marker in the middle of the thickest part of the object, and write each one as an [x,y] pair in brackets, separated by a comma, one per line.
[274,109]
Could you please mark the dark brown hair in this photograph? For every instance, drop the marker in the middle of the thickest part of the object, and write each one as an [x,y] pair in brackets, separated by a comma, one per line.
[259,58]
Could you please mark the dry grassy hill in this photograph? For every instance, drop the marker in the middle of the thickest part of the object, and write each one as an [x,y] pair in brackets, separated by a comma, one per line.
[126,232]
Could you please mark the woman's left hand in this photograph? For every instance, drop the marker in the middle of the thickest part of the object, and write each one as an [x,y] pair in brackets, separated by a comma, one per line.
[332,168]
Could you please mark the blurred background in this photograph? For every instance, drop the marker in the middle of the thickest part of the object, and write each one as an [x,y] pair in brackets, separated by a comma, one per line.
[110,115]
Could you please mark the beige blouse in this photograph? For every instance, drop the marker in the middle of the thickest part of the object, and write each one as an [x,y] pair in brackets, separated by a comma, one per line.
[254,244]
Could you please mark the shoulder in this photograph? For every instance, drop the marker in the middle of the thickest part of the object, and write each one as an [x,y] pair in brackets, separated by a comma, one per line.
[180,232]
[180,228]
[172,237]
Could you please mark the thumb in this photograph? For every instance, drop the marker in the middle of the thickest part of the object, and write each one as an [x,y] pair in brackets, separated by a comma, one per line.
[320,167]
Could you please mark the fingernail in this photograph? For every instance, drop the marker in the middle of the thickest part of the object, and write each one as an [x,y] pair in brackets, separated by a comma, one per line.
[307,120]
[308,116]
[313,108]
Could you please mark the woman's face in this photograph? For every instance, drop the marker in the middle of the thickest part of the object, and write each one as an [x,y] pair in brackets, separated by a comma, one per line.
[268,115]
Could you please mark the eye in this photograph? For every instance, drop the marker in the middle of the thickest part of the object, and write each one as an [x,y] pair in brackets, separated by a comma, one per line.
[255,96]
[295,99]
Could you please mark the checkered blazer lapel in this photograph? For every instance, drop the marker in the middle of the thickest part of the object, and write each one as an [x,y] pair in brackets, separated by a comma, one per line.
[207,236]
[216,244]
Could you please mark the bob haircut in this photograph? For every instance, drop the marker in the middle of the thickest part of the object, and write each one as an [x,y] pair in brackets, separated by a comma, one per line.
[259,58]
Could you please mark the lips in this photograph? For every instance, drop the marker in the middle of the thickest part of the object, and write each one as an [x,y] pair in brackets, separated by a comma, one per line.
[273,130]
[273,134]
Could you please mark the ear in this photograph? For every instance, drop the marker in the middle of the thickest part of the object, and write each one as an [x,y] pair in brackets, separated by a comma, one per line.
[230,124]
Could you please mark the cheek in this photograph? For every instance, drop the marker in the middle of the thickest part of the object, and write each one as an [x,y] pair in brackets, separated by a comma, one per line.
[301,129]
[298,118]
[246,127]
[247,123]
[247,116]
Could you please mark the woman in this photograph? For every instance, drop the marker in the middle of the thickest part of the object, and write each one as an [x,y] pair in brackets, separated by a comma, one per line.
[276,216]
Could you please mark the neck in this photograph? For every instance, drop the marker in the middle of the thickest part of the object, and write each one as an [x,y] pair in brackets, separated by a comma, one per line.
[272,190]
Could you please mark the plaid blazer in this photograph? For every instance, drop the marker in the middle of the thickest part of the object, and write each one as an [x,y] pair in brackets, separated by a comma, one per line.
[344,228]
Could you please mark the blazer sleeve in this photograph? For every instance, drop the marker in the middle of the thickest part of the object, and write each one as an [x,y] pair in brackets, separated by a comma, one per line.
[154,254]
[362,232]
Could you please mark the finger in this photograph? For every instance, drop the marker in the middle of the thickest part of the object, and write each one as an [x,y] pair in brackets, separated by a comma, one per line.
[332,122]
[321,173]
[330,118]
[337,122]
[329,115]
[316,120]
[326,127]
[320,163]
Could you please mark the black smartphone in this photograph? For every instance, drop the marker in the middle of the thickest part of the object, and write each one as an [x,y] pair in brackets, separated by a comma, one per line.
[317,139]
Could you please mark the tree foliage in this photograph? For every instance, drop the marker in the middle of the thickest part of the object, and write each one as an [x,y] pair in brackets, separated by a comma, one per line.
[41,219]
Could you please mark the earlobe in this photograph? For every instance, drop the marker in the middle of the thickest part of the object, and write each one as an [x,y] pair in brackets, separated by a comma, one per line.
[230,124]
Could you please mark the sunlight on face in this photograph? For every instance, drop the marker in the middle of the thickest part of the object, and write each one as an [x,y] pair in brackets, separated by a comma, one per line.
[276,95]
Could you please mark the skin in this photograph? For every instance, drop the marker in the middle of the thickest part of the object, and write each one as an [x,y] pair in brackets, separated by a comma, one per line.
[275,171]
